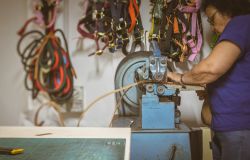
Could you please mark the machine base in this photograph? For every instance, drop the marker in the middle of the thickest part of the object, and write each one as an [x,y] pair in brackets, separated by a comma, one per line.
[153,144]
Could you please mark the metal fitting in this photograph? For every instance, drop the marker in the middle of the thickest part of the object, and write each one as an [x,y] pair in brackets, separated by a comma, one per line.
[149,88]
[160,90]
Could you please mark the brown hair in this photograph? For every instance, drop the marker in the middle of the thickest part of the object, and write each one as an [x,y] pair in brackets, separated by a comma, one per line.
[229,7]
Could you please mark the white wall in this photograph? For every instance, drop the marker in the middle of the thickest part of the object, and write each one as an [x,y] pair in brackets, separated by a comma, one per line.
[13,97]
[95,73]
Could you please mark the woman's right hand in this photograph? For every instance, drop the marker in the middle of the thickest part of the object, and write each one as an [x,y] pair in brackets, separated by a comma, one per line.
[206,112]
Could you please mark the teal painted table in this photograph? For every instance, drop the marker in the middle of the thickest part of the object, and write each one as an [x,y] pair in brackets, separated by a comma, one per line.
[66,143]
[65,149]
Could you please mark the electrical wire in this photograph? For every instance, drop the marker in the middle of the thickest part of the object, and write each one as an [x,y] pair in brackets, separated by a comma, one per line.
[55,106]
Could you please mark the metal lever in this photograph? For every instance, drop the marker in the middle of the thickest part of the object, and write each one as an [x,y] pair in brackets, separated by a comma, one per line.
[131,123]
[172,154]
[156,49]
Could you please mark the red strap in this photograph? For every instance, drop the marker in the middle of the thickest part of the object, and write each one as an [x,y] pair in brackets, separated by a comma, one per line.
[56,63]
[136,7]
[22,30]
[68,86]
[83,32]
[58,85]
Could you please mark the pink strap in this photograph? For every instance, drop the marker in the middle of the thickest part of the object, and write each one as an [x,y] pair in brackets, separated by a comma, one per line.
[189,9]
[195,30]
[39,18]
[196,49]
[193,27]
[84,6]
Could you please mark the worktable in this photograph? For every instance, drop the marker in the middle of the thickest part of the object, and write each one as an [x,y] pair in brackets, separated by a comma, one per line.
[66,143]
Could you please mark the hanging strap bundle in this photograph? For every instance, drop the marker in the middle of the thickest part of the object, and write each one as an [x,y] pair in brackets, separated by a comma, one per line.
[176,25]
[95,24]
[136,25]
[110,23]
[46,62]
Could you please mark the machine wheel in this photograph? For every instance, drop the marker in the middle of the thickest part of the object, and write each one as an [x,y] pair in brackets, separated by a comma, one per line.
[125,74]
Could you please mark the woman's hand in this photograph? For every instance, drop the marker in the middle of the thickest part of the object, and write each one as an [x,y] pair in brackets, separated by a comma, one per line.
[176,77]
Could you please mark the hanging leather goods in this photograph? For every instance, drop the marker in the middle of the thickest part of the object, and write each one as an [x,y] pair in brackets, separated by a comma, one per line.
[194,35]
[183,51]
[153,31]
[167,28]
[137,43]
[195,45]
[176,26]
[96,25]
[120,23]
[99,51]
[47,63]
[179,33]
[136,27]
[138,36]
[81,30]
[111,42]
[133,12]
[125,42]
[156,20]
[22,30]
[38,18]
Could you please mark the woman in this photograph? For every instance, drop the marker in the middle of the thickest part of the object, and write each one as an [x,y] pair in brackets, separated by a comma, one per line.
[226,73]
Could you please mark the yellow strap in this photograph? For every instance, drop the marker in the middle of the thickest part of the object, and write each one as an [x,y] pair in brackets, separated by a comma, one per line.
[152,27]
[40,49]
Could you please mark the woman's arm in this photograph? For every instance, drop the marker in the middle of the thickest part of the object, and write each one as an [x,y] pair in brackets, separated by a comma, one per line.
[222,57]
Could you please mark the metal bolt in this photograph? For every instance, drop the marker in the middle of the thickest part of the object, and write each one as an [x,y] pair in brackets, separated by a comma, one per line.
[160,89]
[150,88]
[152,61]
[163,61]
[177,113]
[158,76]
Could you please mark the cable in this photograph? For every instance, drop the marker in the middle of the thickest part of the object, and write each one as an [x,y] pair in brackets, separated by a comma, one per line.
[107,94]
[55,106]
[118,104]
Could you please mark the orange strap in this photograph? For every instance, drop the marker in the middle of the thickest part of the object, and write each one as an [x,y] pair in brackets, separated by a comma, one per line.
[132,7]
[176,26]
